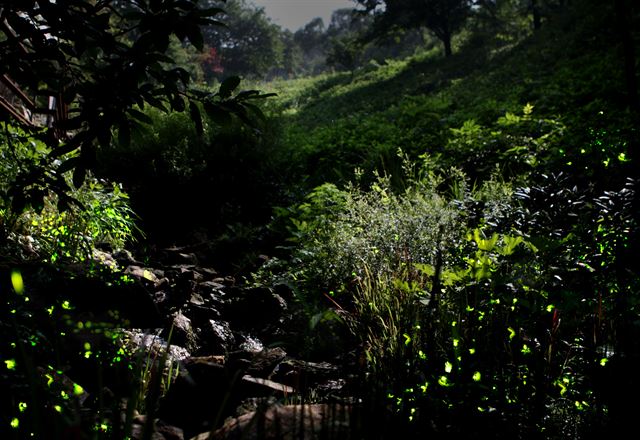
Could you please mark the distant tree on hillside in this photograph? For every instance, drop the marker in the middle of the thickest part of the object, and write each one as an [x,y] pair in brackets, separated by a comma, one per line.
[250,45]
[442,17]
[312,40]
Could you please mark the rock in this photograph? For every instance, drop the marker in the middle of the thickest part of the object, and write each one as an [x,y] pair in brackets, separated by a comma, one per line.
[208,273]
[143,274]
[136,340]
[183,333]
[256,308]
[161,430]
[178,255]
[264,362]
[290,422]
[200,396]
[200,315]
[303,374]
[196,299]
[249,343]
[207,390]
[105,259]
[216,337]
[125,258]
[226,281]
[259,387]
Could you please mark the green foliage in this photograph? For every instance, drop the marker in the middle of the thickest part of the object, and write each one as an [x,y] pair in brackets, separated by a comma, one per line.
[340,234]
[108,62]
[64,227]
[183,177]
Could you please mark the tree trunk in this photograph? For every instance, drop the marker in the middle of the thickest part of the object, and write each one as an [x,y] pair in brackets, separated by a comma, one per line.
[446,40]
[624,13]
[537,20]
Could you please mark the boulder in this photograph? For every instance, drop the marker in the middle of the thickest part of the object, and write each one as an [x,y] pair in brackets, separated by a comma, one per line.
[289,422]
[216,337]
[183,333]
[256,308]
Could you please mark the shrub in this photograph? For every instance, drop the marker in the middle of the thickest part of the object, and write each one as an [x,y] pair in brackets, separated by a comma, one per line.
[64,225]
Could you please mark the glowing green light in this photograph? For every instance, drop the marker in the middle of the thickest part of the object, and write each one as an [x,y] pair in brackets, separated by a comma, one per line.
[22,406]
[49,379]
[525,349]
[603,362]
[77,389]
[50,310]
[563,389]
[16,282]
[57,408]
[421,355]
[424,387]
[448,367]
[622,157]
[476,376]
[443,381]
[66,305]
[87,346]
[15,423]
[456,342]
[472,351]
[512,333]
[550,308]
[10,364]
[580,406]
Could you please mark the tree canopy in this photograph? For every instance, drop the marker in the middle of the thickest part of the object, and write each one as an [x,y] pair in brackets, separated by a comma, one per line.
[249,45]
[103,62]
[442,17]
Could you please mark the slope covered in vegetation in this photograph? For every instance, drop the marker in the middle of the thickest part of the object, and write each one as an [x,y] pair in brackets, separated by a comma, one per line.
[436,245]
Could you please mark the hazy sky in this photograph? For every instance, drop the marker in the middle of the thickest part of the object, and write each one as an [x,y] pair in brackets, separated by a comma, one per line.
[293,14]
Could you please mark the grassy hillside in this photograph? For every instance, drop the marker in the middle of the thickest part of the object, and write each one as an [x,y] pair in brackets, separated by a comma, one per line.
[570,71]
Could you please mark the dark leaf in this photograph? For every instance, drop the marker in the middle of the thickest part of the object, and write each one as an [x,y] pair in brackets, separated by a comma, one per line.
[228,86]
[68,164]
[195,37]
[104,136]
[196,117]
[217,113]
[263,96]
[210,12]
[177,103]
[69,124]
[124,134]
[255,110]
[79,174]
[64,149]
[211,22]
[245,94]
[138,115]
